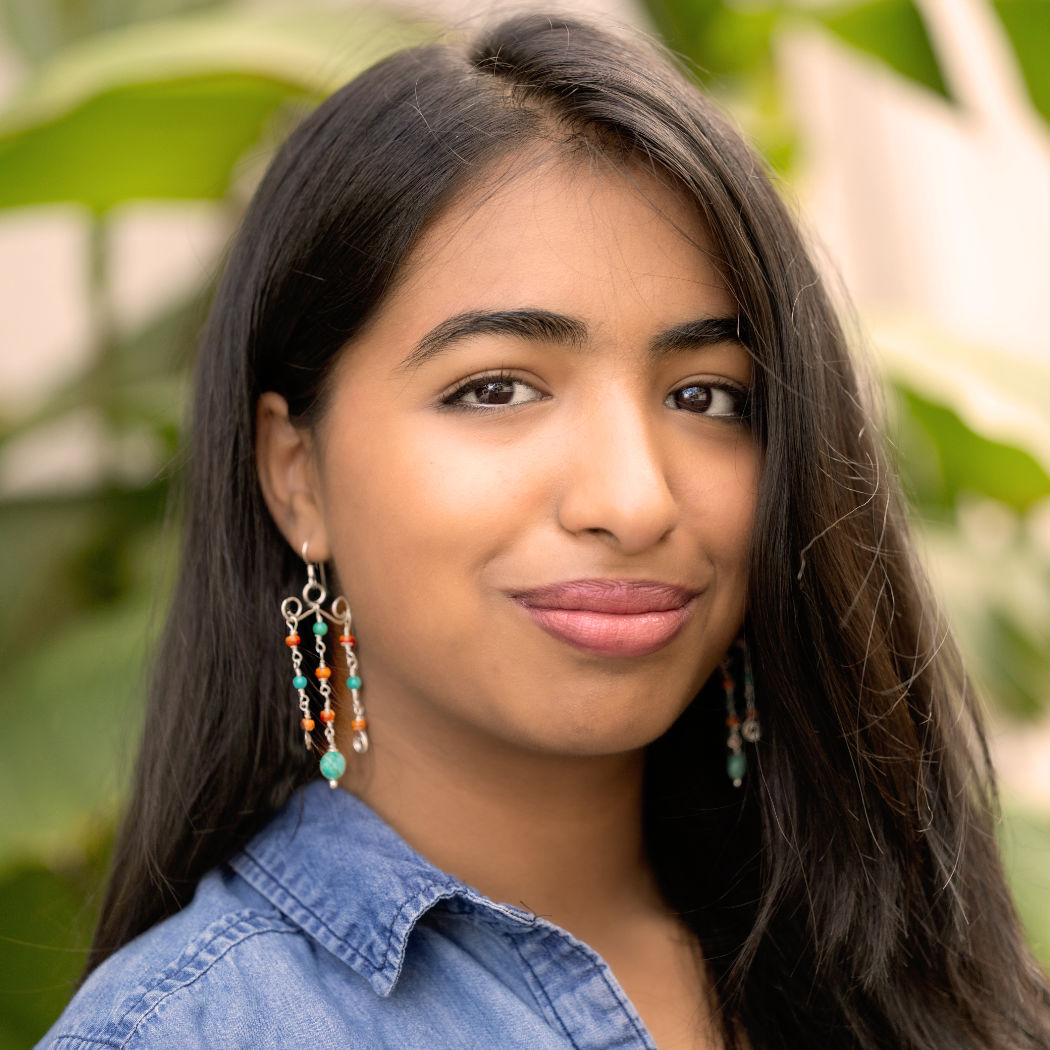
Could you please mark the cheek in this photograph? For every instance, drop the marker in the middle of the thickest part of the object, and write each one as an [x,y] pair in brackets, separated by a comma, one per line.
[742,498]
[721,504]
[421,512]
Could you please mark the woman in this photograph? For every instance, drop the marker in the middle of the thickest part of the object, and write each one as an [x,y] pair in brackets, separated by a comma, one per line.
[519,357]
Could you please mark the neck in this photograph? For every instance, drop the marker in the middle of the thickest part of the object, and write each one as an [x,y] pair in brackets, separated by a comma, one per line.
[560,836]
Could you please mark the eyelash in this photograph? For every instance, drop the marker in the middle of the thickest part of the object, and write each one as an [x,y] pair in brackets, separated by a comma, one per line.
[452,400]
[741,395]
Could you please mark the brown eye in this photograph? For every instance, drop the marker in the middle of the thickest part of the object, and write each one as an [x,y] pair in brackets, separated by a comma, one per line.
[716,400]
[693,398]
[494,391]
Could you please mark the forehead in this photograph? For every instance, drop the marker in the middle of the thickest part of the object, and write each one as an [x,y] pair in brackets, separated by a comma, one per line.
[567,233]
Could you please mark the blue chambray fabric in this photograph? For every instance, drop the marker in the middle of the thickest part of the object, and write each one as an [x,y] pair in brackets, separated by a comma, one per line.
[329,931]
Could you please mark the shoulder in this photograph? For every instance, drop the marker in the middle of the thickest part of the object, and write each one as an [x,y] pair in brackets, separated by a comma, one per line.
[211,976]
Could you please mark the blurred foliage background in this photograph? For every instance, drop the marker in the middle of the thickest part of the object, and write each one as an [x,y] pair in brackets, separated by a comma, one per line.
[129,100]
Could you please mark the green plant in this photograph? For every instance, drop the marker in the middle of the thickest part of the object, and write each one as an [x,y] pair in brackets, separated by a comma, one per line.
[122,105]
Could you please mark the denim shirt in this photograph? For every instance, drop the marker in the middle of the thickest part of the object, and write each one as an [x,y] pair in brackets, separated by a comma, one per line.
[329,931]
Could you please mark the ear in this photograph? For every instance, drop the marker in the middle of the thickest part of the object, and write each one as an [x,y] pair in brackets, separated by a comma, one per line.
[288,477]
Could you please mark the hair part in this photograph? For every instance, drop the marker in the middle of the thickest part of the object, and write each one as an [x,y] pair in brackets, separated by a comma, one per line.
[852,893]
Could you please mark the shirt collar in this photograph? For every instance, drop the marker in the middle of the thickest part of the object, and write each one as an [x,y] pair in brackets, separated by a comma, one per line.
[337,870]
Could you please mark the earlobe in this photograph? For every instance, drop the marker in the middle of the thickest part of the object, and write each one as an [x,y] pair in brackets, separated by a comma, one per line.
[288,476]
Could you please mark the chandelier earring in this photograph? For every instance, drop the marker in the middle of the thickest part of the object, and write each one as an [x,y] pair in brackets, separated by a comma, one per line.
[749,729]
[294,611]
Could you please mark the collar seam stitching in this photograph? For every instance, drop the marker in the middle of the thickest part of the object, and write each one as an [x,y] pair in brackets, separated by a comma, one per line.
[281,888]
[539,986]
[446,891]
[178,966]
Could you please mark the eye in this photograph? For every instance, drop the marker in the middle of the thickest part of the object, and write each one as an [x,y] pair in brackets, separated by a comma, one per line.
[719,400]
[492,391]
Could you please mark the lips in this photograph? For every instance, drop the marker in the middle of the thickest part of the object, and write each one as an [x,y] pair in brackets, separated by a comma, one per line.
[610,617]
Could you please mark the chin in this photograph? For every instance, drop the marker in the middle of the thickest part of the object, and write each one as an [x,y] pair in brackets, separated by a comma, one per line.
[596,732]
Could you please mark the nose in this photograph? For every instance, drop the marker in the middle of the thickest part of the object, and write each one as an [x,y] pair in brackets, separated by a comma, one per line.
[616,482]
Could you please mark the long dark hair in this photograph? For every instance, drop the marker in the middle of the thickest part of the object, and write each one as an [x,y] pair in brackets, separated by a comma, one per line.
[851,895]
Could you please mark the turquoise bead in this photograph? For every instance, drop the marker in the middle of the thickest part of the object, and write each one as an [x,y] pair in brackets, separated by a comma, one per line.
[299,681]
[353,682]
[333,765]
[320,628]
[736,765]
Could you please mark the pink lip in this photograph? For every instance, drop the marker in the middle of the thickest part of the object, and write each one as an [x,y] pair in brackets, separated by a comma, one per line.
[610,617]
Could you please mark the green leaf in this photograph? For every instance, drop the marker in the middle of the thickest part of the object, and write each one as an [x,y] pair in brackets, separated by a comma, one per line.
[891,30]
[164,110]
[941,457]
[1013,656]
[720,39]
[994,580]
[170,140]
[46,920]
[72,712]
[82,578]
[1024,838]
[1027,24]
[309,50]
[38,28]
[738,41]
[683,24]
[71,554]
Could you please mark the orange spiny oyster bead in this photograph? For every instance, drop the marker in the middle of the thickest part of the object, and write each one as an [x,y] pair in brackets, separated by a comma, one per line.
[347,639]
[327,715]
[307,724]
[359,724]
[323,672]
[292,639]
[732,721]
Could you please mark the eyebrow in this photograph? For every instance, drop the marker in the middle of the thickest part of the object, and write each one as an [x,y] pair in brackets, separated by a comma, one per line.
[692,335]
[544,326]
[537,326]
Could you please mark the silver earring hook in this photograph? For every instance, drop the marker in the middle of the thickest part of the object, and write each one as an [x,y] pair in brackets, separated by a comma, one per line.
[315,571]
[316,590]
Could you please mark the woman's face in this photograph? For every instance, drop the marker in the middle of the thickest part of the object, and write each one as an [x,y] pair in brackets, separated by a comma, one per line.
[534,476]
